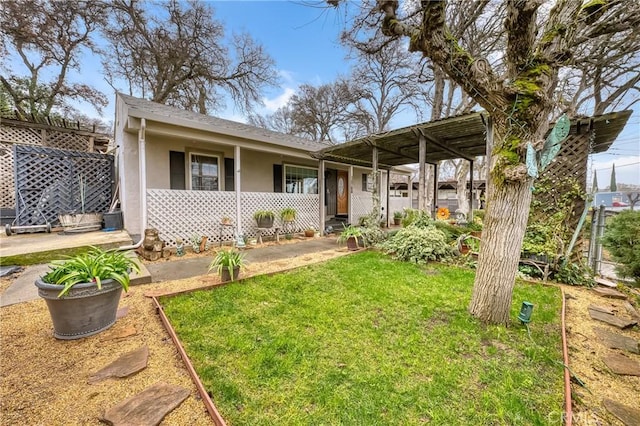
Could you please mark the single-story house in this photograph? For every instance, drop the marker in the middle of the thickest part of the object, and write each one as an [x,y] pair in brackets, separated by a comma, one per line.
[181,172]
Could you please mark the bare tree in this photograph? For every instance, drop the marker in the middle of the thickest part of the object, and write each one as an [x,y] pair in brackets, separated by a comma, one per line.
[516,89]
[47,38]
[280,121]
[388,82]
[324,113]
[175,53]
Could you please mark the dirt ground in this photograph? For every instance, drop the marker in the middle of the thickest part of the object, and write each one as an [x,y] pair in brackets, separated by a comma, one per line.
[44,380]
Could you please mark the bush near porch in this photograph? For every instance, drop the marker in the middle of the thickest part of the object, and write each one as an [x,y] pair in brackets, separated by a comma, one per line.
[368,340]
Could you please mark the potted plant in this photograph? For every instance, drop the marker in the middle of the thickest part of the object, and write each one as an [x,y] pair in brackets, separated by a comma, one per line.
[288,214]
[228,264]
[83,291]
[397,217]
[309,232]
[350,234]
[264,218]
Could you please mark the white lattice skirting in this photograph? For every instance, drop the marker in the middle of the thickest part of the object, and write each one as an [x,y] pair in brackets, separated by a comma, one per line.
[362,206]
[184,214]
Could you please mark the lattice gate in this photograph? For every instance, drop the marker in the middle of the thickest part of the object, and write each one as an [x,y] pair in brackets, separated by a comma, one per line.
[567,174]
[53,181]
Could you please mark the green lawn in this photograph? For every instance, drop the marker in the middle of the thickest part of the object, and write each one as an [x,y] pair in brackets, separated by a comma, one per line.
[364,340]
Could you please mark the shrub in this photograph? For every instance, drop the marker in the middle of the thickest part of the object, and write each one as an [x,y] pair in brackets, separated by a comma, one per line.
[418,244]
[622,239]
[573,274]
[416,217]
[373,235]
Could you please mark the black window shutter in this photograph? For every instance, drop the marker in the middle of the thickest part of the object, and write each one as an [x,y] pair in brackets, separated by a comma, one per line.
[229,174]
[176,170]
[364,182]
[277,178]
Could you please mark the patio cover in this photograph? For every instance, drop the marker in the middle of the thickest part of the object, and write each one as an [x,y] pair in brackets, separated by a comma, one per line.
[462,136]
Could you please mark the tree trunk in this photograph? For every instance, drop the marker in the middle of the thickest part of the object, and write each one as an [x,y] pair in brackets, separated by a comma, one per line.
[505,224]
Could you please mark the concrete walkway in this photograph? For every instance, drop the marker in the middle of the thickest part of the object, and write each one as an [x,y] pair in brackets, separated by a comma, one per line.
[23,288]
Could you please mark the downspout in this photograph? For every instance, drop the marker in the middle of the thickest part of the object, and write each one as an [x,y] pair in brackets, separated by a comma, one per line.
[142,167]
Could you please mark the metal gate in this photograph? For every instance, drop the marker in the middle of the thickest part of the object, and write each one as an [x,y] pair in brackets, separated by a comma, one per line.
[51,181]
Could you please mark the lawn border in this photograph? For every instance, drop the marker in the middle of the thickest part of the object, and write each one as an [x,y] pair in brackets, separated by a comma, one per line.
[568,415]
[210,405]
[208,402]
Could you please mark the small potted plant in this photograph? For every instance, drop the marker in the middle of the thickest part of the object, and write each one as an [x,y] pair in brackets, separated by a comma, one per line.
[397,218]
[288,214]
[350,234]
[83,291]
[309,232]
[264,218]
[228,264]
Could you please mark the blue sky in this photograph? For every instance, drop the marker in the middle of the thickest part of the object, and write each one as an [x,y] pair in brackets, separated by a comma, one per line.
[303,40]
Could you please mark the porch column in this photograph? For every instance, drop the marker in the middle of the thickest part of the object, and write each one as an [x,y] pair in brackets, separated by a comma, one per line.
[350,186]
[471,192]
[238,188]
[410,190]
[388,186]
[435,190]
[323,195]
[422,158]
[376,182]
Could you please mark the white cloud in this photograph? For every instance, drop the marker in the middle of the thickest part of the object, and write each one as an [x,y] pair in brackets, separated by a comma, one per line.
[273,104]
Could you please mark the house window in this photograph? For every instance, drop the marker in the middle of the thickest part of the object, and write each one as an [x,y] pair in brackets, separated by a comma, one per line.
[367,182]
[300,180]
[205,172]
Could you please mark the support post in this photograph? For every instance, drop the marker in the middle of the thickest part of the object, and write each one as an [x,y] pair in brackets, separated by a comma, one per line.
[471,192]
[410,191]
[376,182]
[350,188]
[422,156]
[435,191]
[322,192]
[238,188]
[388,190]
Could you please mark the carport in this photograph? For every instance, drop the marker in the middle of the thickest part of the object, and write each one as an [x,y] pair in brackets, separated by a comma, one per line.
[464,136]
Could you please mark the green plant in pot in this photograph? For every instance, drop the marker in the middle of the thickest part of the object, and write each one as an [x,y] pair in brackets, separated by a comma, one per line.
[288,214]
[82,292]
[397,217]
[264,218]
[228,264]
[350,235]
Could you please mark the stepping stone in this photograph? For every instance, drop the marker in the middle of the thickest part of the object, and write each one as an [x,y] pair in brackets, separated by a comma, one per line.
[601,309]
[632,311]
[628,415]
[124,366]
[148,407]
[617,341]
[605,282]
[611,319]
[119,334]
[622,365]
[609,292]
[122,312]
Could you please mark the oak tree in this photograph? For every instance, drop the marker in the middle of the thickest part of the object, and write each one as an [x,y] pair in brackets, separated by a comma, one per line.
[516,88]
[176,53]
[47,39]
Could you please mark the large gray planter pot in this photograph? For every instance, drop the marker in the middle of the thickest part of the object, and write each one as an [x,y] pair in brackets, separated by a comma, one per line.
[84,310]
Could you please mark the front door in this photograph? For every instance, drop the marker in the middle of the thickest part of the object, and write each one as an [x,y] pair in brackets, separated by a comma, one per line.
[343,192]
